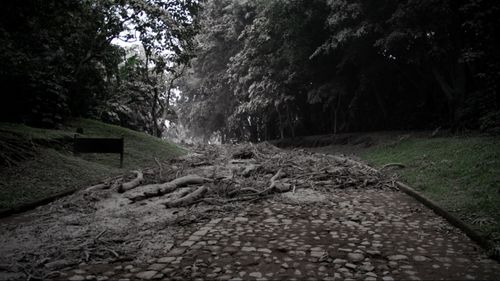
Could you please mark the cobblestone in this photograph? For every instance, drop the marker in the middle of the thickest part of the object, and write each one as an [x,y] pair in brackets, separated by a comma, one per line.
[354,235]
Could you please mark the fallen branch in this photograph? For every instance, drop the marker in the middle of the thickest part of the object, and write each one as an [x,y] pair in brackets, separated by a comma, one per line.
[187,200]
[243,190]
[160,168]
[105,185]
[153,190]
[133,183]
[100,234]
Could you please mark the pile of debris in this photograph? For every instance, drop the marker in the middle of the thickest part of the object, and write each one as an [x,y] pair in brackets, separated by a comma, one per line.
[222,174]
[140,215]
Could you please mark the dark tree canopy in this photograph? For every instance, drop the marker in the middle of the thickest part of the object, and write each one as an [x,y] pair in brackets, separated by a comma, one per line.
[253,69]
[58,59]
[271,69]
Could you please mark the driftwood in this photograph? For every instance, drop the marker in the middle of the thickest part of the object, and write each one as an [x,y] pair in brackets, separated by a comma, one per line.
[189,199]
[133,183]
[153,190]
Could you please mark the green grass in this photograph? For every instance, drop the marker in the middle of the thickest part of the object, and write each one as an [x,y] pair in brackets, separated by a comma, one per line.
[462,174]
[55,169]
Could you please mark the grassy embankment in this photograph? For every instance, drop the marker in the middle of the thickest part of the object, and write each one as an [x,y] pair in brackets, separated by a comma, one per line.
[55,169]
[461,174]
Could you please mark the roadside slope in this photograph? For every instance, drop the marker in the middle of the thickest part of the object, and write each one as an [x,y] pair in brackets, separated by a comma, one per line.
[459,173]
[53,169]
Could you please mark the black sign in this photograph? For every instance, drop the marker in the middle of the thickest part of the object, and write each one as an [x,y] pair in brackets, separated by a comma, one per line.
[99,145]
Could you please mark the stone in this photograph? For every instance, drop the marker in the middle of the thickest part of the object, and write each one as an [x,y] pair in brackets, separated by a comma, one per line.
[419,258]
[109,273]
[176,252]
[373,253]
[355,257]
[339,261]
[188,243]
[397,257]
[367,267]
[444,259]
[387,278]
[317,254]
[157,266]
[351,266]
[248,249]
[76,278]
[147,275]
[264,250]
[255,274]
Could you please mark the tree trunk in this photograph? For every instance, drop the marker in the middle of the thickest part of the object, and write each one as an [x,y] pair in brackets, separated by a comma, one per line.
[454,91]
[289,121]
[280,124]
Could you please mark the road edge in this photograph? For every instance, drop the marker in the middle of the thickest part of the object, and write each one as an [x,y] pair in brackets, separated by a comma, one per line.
[487,245]
[34,204]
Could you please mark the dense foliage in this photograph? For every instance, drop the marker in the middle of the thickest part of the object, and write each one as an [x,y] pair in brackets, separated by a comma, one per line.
[270,69]
[58,60]
[253,69]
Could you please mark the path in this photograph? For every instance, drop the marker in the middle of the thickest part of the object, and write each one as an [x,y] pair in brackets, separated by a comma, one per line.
[342,235]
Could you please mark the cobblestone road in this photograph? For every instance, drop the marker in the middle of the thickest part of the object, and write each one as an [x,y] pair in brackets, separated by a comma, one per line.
[351,235]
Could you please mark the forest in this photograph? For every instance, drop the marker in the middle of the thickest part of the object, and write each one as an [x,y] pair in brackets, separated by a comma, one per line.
[250,140]
[252,70]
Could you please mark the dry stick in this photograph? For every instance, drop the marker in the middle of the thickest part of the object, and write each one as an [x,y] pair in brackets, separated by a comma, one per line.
[243,190]
[100,234]
[133,183]
[159,167]
[113,252]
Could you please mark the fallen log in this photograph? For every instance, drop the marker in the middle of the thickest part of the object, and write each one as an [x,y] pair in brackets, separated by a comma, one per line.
[133,183]
[105,185]
[187,200]
[153,190]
